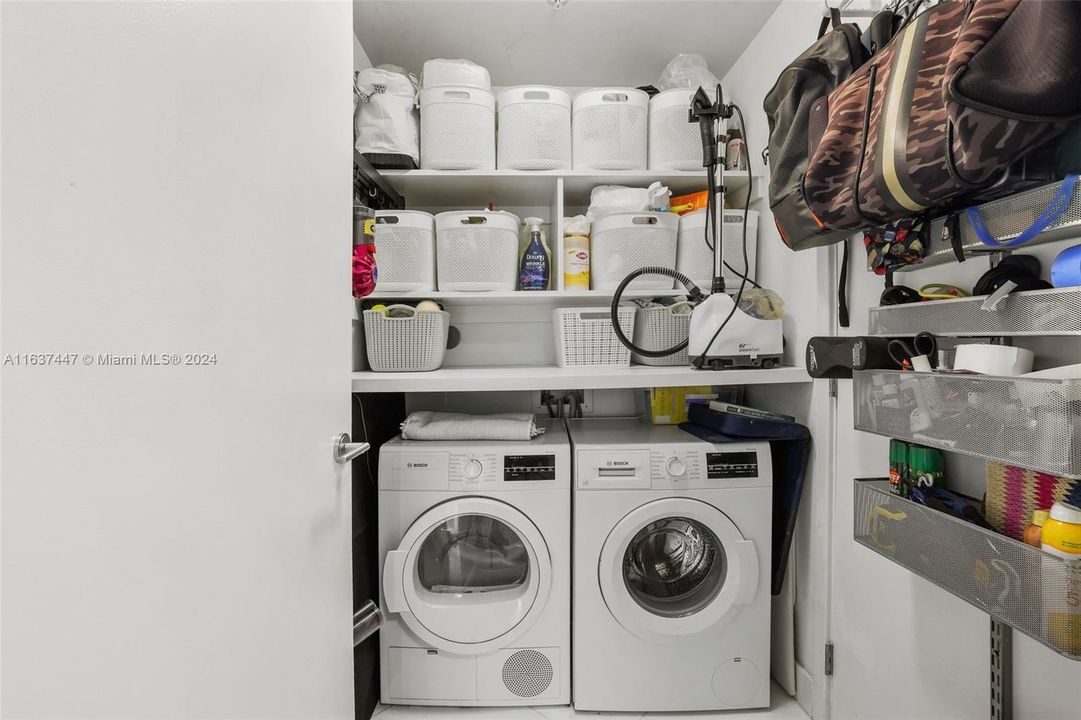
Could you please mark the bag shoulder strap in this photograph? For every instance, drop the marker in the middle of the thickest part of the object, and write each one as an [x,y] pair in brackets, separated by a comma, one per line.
[833,19]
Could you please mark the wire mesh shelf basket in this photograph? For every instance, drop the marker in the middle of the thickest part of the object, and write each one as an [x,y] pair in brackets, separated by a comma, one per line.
[1033,312]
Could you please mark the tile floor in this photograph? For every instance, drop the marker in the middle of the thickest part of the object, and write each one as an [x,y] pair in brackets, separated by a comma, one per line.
[782,707]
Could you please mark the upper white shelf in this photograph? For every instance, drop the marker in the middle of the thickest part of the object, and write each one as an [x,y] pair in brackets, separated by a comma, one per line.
[509,188]
[476,379]
[519,297]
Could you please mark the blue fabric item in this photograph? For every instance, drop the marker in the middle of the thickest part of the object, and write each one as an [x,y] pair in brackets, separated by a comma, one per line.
[1054,210]
[790,450]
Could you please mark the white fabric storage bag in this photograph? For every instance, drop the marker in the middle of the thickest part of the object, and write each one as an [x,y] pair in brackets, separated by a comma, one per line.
[457,129]
[694,258]
[534,128]
[405,250]
[674,143]
[621,243]
[477,251]
[610,129]
[439,72]
[386,117]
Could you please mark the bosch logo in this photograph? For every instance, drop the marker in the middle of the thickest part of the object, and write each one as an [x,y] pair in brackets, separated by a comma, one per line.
[416,465]
[618,463]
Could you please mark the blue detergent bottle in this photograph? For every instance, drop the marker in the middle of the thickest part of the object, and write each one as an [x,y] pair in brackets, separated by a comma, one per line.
[536,266]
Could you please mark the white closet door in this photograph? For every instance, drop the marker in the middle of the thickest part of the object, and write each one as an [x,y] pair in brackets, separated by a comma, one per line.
[176,181]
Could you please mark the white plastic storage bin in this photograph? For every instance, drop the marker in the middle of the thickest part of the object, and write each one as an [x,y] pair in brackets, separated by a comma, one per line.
[476,251]
[674,143]
[623,242]
[659,328]
[457,129]
[610,129]
[695,259]
[405,250]
[534,128]
[584,337]
[406,344]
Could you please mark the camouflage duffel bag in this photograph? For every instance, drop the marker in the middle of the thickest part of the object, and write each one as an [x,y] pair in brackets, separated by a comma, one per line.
[939,114]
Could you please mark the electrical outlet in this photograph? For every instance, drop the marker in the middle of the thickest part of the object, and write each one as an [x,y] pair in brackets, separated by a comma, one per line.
[544,398]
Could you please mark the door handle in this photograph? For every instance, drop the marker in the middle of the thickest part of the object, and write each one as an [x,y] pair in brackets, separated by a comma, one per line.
[366,621]
[345,451]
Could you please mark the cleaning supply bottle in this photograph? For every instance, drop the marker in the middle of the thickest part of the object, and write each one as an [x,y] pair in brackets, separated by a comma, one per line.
[576,252]
[1061,536]
[535,270]
[1034,532]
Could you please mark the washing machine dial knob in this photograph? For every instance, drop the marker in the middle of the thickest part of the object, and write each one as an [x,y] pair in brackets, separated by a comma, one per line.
[676,467]
[473,469]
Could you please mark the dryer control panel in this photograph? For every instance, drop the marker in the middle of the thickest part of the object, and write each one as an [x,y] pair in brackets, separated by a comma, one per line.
[673,466]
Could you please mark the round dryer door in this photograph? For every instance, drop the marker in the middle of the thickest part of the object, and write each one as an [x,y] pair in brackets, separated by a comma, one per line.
[676,567]
[470,575]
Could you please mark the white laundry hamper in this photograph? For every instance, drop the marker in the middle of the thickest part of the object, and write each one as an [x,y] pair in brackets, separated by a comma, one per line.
[695,260]
[584,337]
[476,251]
[457,128]
[674,143]
[534,128]
[406,344]
[610,129]
[404,250]
[623,242]
[659,328]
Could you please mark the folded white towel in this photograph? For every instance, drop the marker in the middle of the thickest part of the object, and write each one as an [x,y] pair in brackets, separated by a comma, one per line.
[426,425]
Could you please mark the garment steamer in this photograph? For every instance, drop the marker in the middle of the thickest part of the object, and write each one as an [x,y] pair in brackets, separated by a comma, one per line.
[747,341]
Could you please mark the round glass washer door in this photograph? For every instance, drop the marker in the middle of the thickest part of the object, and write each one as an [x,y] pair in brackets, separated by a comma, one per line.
[675,567]
[471,574]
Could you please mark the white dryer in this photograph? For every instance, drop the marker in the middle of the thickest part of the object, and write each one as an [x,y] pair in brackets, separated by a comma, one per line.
[474,544]
[672,557]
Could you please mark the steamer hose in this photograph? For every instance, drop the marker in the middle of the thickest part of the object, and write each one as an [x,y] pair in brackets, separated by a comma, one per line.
[693,292]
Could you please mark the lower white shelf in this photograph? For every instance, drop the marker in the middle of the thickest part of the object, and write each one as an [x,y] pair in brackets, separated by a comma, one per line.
[474,379]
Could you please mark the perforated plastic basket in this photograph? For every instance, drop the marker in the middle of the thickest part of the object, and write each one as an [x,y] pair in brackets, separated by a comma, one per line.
[405,250]
[694,258]
[477,251]
[410,344]
[659,328]
[584,337]
[610,129]
[624,242]
[457,129]
[534,128]
[674,143]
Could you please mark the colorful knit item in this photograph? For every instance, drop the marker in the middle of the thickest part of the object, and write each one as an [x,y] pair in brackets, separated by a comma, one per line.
[1013,493]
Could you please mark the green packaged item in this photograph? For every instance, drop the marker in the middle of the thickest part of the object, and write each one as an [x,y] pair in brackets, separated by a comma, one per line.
[898,467]
[926,466]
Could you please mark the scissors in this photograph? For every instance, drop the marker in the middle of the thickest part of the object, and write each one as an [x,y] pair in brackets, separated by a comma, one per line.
[902,351]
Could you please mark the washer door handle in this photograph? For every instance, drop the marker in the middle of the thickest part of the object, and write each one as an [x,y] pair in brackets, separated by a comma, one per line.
[393,590]
[748,572]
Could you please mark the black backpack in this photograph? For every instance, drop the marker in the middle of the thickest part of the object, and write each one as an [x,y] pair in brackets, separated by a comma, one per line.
[807,80]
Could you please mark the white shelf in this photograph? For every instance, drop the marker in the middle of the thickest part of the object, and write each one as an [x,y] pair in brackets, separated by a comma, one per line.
[510,188]
[518,297]
[474,379]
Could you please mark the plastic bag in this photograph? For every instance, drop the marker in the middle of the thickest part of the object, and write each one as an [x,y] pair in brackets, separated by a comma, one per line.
[386,120]
[577,225]
[762,304]
[608,199]
[463,73]
[688,70]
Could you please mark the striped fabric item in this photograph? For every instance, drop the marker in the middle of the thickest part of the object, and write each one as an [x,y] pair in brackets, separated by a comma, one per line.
[1013,493]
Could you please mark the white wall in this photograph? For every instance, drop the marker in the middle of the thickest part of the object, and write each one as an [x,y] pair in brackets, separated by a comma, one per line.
[360,58]
[903,648]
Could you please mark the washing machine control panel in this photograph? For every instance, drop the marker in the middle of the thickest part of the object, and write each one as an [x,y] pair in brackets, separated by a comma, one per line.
[526,468]
[732,464]
[686,467]
[473,468]
[673,466]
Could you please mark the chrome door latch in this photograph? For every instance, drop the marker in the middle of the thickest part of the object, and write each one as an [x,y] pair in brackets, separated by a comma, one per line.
[345,451]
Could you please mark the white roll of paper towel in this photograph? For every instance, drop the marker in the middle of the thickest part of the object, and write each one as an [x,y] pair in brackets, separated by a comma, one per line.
[993,359]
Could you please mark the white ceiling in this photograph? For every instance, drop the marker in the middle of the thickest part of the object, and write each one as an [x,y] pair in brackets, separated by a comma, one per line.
[584,44]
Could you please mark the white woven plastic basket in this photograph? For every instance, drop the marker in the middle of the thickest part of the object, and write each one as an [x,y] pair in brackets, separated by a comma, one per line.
[584,337]
[694,258]
[674,143]
[659,328]
[405,250]
[534,128]
[409,344]
[457,129]
[624,242]
[477,251]
[610,129]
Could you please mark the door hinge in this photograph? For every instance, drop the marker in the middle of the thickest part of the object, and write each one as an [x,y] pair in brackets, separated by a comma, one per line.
[829,658]
[833,387]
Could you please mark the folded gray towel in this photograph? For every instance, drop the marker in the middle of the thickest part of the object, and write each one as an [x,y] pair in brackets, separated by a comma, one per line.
[425,425]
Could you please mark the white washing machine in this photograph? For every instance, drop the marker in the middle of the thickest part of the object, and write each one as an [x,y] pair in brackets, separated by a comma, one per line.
[672,562]
[474,542]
